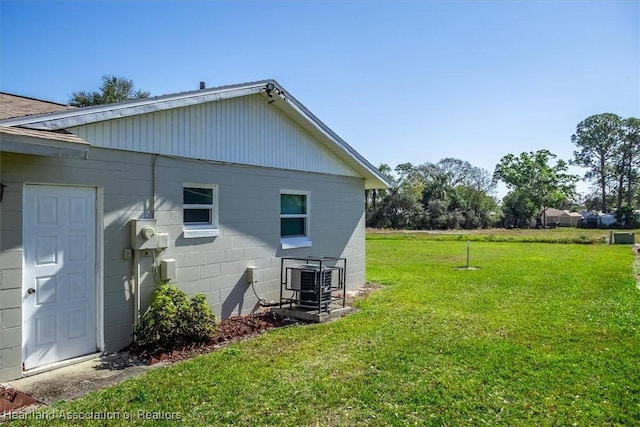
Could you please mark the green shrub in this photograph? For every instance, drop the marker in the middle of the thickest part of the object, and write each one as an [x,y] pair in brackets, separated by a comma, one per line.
[202,323]
[172,320]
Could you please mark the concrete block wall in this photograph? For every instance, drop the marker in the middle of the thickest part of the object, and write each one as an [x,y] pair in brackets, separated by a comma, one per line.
[249,221]
[10,313]
[10,277]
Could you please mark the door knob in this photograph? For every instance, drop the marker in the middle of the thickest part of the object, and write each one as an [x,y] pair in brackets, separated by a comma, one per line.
[31,291]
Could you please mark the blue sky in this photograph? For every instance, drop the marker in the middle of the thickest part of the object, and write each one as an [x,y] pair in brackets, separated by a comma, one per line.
[401,81]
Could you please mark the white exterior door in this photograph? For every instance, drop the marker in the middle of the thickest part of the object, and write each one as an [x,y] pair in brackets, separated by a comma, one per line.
[59,271]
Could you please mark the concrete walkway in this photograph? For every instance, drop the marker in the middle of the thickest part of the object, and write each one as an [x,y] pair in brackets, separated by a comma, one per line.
[76,380]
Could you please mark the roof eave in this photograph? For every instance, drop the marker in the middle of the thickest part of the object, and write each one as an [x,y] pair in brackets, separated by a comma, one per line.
[98,113]
[42,146]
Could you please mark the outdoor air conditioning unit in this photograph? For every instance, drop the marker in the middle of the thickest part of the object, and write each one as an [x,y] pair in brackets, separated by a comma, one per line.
[313,285]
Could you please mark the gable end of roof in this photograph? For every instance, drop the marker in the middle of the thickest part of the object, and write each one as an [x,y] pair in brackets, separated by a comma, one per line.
[270,89]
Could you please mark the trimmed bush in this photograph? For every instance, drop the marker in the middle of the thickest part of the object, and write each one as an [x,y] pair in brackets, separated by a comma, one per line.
[172,320]
[202,323]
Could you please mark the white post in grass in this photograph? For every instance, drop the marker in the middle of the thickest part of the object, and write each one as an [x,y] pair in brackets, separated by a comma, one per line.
[468,245]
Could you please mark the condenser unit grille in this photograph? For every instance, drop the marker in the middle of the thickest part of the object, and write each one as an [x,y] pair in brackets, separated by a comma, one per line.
[315,288]
[319,283]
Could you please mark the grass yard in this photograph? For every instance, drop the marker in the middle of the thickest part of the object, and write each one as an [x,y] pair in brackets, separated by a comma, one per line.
[531,235]
[538,334]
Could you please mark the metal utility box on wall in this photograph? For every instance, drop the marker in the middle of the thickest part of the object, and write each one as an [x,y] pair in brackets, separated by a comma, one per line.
[252,275]
[168,269]
[162,240]
[143,234]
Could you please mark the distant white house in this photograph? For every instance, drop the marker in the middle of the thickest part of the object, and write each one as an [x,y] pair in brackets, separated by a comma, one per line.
[562,218]
[569,219]
[551,216]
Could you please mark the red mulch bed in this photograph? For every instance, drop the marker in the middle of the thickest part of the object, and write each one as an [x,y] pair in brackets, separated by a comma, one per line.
[229,331]
[12,399]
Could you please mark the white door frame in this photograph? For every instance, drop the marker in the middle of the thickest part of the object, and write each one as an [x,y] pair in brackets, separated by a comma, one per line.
[99,267]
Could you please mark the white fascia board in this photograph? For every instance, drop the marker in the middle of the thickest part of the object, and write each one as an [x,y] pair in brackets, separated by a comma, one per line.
[42,147]
[93,114]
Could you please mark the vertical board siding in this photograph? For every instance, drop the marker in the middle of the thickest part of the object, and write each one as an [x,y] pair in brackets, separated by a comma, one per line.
[243,130]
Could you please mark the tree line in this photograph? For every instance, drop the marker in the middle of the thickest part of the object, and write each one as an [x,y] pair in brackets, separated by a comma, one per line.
[449,194]
[452,193]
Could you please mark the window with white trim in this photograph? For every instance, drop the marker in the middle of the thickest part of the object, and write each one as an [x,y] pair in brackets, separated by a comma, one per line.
[294,219]
[199,210]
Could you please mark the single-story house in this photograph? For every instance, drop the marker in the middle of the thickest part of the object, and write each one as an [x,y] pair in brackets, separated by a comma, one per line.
[562,218]
[552,216]
[102,203]
[569,219]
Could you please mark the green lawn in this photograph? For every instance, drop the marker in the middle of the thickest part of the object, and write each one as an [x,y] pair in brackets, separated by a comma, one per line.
[538,334]
[550,235]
